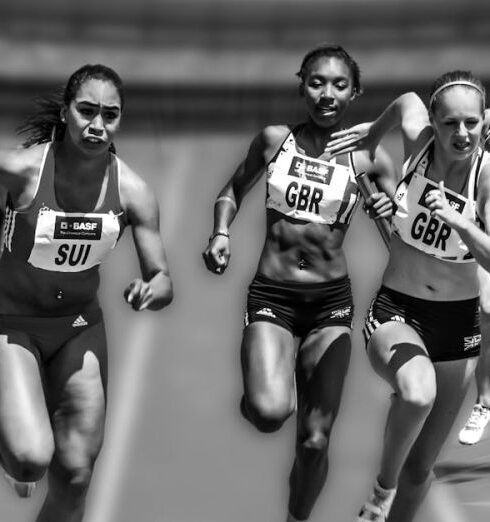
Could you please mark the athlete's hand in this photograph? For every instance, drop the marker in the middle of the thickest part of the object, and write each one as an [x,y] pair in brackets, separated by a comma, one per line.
[356,138]
[138,294]
[217,254]
[378,205]
[440,207]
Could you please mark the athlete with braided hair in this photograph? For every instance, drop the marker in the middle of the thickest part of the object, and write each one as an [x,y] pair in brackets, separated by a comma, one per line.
[301,289]
[69,200]
[422,329]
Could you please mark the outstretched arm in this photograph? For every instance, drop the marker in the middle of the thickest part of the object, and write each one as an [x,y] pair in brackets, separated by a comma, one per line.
[407,112]
[217,253]
[154,289]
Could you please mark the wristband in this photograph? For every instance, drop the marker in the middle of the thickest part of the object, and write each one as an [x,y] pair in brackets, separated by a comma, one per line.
[219,233]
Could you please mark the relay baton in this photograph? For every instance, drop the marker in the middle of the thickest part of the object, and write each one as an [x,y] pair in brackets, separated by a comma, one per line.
[366,188]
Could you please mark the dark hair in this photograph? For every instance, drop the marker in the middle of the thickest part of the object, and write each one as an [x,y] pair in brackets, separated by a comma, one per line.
[453,77]
[336,51]
[45,124]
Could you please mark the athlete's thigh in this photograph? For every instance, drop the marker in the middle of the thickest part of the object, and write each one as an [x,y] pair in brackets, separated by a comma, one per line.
[323,360]
[24,419]
[268,356]
[76,386]
[453,379]
[397,353]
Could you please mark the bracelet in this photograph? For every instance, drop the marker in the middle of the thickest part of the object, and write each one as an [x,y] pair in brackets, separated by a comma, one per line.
[219,233]
[227,198]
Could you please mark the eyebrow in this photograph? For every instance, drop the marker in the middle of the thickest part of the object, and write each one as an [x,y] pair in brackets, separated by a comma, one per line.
[97,105]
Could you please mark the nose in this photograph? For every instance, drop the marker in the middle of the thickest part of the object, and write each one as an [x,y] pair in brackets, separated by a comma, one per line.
[328,91]
[461,130]
[97,125]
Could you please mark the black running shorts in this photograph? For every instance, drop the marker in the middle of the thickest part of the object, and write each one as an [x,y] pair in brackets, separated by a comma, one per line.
[300,307]
[450,330]
[46,335]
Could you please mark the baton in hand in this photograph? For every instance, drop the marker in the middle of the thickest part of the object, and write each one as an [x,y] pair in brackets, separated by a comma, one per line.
[366,188]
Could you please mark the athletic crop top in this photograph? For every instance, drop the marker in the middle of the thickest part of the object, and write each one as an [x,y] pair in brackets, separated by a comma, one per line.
[310,189]
[412,221]
[48,238]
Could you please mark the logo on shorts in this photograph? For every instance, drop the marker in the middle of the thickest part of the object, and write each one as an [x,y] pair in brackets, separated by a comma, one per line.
[341,313]
[79,321]
[398,318]
[472,341]
[266,311]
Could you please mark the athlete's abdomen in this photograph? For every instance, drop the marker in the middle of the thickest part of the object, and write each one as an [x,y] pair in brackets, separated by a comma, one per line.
[26,290]
[421,275]
[300,251]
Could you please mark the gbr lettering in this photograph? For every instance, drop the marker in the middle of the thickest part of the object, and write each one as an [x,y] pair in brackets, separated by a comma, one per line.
[303,197]
[430,231]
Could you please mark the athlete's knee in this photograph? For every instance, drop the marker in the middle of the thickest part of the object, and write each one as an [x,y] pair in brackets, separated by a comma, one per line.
[316,442]
[418,391]
[267,413]
[28,463]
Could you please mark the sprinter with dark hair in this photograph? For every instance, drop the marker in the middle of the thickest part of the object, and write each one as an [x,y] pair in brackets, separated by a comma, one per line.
[301,289]
[69,200]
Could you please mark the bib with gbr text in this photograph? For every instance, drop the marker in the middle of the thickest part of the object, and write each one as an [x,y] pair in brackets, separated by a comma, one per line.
[310,189]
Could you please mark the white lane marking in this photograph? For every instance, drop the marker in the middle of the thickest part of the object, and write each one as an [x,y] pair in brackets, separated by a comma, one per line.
[127,393]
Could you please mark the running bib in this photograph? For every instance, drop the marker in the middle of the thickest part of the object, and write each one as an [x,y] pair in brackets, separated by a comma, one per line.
[413,223]
[310,189]
[72,242]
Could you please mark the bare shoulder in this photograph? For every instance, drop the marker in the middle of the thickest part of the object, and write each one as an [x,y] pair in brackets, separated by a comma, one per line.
[22,161]
[133,188]
[484,176]
[272,138]
[274,133]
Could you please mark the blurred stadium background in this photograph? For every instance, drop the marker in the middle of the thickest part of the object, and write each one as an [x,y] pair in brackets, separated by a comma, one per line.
[202,77]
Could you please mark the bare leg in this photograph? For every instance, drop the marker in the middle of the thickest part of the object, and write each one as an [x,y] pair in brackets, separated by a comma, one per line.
[26,439]
[398,355]
[268,361]
[453,379]
[483,368]
[323,361]
[77,380]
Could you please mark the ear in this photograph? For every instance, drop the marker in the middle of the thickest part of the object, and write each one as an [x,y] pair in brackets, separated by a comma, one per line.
[301,89]
[63,114]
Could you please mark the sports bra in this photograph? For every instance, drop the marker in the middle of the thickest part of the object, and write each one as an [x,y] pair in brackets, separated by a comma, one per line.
[47,237]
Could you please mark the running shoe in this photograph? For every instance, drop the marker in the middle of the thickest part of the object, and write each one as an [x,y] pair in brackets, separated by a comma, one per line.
[475,425]
[378,506]
[23,489]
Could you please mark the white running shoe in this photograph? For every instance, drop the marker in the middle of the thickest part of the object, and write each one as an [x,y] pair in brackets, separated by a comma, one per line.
[378,506]
[23,489]
[475,425]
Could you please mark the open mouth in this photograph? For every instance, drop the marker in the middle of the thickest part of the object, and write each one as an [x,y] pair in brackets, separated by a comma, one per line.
[327,110]
[462,146]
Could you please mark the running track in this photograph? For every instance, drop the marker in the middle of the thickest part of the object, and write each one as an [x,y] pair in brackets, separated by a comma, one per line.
[176,449]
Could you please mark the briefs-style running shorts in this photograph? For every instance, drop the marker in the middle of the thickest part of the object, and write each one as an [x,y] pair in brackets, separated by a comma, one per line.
[300,307]
[450,330]
[44,336]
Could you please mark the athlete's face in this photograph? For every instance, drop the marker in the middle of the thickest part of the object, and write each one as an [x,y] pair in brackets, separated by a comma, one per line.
[93,116]
[328,90]
[457,119]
